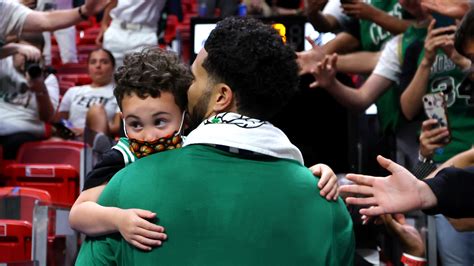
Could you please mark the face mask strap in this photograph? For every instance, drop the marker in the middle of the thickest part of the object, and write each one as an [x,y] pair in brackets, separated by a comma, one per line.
[181,125]
[124,129]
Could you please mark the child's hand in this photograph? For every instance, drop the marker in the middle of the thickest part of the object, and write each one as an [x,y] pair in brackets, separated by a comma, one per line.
[139,232]
[328,181]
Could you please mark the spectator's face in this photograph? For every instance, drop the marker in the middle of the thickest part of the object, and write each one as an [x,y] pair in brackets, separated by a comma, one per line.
[100,68]
[199,93]
[151,118]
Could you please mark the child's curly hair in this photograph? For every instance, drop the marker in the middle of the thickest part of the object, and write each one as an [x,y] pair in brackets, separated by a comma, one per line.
[151,71]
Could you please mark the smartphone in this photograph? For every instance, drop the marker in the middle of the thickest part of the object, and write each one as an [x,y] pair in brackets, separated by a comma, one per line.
[435,108]
[63,129]
[443,21]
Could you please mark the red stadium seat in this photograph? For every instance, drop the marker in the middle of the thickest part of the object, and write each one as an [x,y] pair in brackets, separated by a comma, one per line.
[16,218]
[60,180]
[15,240]
[18,202]
[92,31]
[54,166]
[51,152]
[86,39]
[72,68]
[78,79]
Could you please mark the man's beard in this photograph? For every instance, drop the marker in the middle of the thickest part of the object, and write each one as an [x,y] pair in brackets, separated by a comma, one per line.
[198,114]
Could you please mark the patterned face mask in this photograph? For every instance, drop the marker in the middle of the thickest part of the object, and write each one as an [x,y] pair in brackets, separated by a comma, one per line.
[145,148]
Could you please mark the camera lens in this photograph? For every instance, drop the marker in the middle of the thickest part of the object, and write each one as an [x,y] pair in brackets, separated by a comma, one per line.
[33,69]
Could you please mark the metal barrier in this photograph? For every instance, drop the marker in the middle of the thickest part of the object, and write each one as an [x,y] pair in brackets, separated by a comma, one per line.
[46,231]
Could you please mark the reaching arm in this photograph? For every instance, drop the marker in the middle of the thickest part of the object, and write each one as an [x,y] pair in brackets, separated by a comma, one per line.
[343,43]
[351,63]
[59,19]
[357,99]
[397,193]
[308,60]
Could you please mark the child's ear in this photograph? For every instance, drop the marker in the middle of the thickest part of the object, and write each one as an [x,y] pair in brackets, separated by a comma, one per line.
[121,115]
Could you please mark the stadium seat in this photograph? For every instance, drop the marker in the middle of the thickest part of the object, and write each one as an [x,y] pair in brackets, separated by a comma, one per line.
[16,218]
[72,68]
[51,152]
[78,79]
[15,240]
[56,166]
[60,180]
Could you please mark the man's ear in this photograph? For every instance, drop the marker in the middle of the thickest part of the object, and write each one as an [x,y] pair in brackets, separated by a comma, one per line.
[224,99]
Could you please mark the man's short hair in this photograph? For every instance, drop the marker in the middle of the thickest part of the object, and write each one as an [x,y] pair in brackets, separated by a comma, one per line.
[251,58]
[150,72]
[465,32]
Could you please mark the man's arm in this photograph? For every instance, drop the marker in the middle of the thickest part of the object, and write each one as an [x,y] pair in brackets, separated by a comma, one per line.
[59,19]
[453,189]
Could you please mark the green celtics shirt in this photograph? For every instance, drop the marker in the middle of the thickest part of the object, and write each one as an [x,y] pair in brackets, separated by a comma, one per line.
[226,207]
[446,77]
[372,36]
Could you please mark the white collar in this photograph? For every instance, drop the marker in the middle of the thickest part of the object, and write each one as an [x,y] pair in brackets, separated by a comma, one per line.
[242,132]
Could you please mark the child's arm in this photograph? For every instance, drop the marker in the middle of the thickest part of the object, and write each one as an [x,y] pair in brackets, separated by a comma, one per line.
[93,219]
[327,182]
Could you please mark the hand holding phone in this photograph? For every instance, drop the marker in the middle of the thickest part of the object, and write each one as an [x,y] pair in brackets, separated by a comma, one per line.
[435,108]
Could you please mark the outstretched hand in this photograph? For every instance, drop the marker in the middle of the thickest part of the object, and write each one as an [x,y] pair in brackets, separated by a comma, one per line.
[308,60]
[397,193]
[325,72]
[136,230]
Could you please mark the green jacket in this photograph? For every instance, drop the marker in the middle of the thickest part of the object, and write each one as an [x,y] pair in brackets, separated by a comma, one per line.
[220,208]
